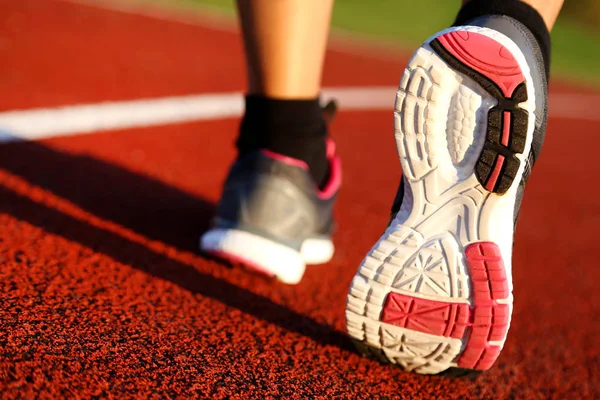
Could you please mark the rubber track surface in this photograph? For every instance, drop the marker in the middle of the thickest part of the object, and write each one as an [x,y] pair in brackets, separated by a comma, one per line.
[102,290]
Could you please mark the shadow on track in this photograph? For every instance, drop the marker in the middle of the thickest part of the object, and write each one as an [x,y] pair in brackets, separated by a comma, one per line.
[145,206]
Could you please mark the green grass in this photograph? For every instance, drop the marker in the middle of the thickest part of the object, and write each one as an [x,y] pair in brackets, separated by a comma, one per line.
[575,51]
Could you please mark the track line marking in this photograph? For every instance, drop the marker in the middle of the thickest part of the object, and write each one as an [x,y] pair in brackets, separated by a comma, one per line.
[42,123]
[46,122]
[87,118]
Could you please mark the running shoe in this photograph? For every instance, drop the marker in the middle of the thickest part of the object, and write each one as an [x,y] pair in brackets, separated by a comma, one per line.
[272,218]
[434,294]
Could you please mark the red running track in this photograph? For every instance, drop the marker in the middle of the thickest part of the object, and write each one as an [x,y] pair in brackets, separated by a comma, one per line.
[103,292]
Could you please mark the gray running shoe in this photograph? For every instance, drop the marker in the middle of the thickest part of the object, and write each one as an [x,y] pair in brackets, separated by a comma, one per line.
[272,218]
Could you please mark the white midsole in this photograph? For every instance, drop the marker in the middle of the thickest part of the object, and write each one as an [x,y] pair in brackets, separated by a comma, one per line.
[286,263]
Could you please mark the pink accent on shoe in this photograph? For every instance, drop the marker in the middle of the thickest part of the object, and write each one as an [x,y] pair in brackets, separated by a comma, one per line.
[491,182]
[486,321]
[506,129]
[428,316]
[285,159]
[335,178]
[331,148]
[486,56]
[335,169]
[490,319]
[487,272]
[235,259]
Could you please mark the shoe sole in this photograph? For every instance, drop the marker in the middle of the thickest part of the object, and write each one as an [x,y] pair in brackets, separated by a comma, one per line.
[265,256]
[434,294]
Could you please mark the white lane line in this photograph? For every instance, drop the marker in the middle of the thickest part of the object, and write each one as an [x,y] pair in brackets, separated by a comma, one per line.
[46,122]
[87,118]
